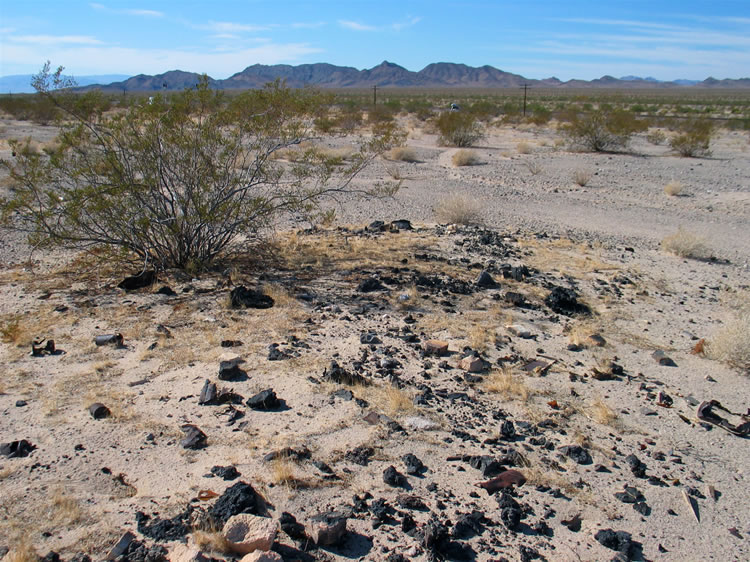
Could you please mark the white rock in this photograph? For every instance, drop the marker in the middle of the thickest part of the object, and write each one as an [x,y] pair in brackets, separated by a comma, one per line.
[418,422]
[247,533]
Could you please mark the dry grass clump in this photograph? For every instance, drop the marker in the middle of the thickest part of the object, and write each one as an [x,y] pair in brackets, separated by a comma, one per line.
[508,385]
[600,412]
[22,551]
[581,176]
[211,541]
[66,510]
[464,158]
[282,472]
[458,209]
[686,245]
[402,154]
[11,331]
[534,168]
[480,337]
[731,344]
[673,188]
[523,148]
[392,400]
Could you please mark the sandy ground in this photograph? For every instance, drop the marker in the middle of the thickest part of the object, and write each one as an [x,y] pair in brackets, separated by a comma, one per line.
[80,488]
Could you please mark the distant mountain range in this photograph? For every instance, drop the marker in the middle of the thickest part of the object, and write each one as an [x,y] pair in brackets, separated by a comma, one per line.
[386,74]
[21,83]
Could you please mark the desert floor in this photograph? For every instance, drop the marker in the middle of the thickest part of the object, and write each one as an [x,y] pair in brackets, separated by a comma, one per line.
[546,382]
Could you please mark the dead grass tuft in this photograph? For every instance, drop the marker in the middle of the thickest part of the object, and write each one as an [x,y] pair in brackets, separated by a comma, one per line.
[731,344]
[282,472]
[459,209]
[464,157]
[402,154]
[66,510]
[211,541]
[480,337]
[674,188]
[600,412]
[523,148]
[534,168]
[582,177]
[686,245]
[22,551]
[508,385]
[11,331]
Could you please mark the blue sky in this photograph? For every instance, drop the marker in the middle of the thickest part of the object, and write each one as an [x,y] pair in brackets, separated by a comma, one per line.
[537,38]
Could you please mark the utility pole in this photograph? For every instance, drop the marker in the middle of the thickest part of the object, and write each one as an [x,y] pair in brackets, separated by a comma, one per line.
[374,95]
[525,87]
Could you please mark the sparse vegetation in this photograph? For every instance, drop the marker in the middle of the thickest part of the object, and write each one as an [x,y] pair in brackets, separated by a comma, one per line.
[600,412]
[402,154]
[508,385]
[601,131]
[674,188]
[458,209]
[534,167]
[523,148]
[656,137]
[464,158]
[731,343]
[686,245]
[582,176]
[694,139]
[457,128]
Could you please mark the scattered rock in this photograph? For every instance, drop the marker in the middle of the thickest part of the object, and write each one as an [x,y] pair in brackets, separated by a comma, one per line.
[360,455]
[486,281]
[242,297]
[291,527]
[327,529]
[16,449]
[565,301]
[194,437]
[264,400]
[474,364]
[121,547]
[418,422]
[520,330]
[225,472]
[577,453]
[246,533]
[637,467]
[135,282]
[262,556]
[621,541]
[369,285]
[237,499]
[436,347]
[339,375]
[574,523]
[208,393]
[597,340]
[230,370]
[414,466]
[163,530]
[663,359]
[394,478]
[630,495]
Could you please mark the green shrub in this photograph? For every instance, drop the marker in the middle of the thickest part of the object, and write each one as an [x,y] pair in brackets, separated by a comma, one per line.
[458,128]
[694,138]
[179,181]
[599,131]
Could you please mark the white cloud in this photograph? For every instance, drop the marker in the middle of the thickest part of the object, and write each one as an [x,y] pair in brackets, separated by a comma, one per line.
[356,26]
[146,13]
[408,23]
[106,60]
[55,39]
[231,27]
[312,25]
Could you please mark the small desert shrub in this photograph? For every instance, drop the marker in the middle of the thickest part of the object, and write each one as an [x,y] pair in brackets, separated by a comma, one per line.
[601,131]
[459,209]
[402,154]
[507,385]
[656,137]
[523,148]
[600,412]
[673,188]
[459,129]
[11,331]
[534,168]
[464,158]
[731,344]
[686,245]
[694,139]
[581,176]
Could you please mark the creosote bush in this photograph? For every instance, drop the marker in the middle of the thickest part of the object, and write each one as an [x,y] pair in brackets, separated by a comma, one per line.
[673,188]
[459,209]
[458,128]
[601,131]
[686,245]
[694,139]
[182,180]
[464,157]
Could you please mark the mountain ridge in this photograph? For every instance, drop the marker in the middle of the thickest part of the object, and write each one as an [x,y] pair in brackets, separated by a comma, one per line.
[391,75]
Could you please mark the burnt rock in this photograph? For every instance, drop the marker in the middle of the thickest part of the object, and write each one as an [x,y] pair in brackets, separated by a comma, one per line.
[528,554]
[577,453]
[135,282]
[291,527]
[238,498]
[360,455]
[414,466]
[230,370]
[621,541]
[381,511]
[637,467]
[400,224]
[339,375]
[51,556]
[194,437]
[394,478]
[139,552]
[275,354]
[225,472]
[163,530]
[508,430]
[369,338]
[486,464]
[435,535]
[242,297]
[16,449]
[408,501]
[565,301]
[630,495]
[208,393]
[516,299]
[468,525]
[167,291]
[369,285]
[264,400]
[511,517]
[327,529]
[486,281]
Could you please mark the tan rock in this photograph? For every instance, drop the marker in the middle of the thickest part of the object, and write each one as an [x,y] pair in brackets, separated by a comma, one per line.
[473,364]
[187,553]
[435,347]
[247,533]
[262,556]
[327,528]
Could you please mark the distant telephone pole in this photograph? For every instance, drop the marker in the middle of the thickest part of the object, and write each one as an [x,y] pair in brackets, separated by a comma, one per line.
[525,87]
[374,95]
